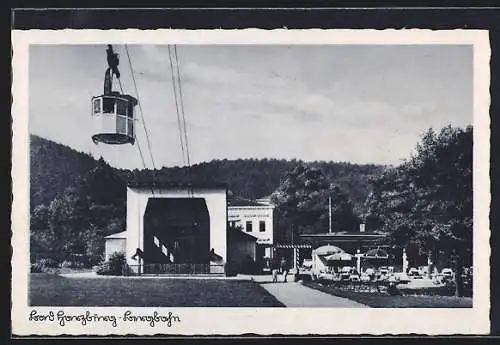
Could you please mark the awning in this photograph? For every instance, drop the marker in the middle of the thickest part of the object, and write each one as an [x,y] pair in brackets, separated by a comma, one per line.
[376,254]
[328,250]
[339,257]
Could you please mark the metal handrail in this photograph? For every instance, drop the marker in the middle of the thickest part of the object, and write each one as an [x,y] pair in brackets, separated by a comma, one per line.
[177,269]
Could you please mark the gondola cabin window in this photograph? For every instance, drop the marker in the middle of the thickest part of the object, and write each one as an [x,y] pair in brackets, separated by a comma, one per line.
[121,107]
[121,118]
[97,106]
[108,105]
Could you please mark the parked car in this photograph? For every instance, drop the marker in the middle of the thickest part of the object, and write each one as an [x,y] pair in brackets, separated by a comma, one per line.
[365,277]
[423,270]
[447,274]
[414,273]
[345,273]
[383,271]
[354,277]
[305,270]
[370,272]
[401,277]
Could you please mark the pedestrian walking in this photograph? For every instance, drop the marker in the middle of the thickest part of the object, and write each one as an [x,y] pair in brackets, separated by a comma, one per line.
[274,271]
[284,269]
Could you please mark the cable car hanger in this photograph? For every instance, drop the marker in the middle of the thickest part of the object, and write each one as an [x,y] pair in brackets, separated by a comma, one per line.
[113,112]
[113,62]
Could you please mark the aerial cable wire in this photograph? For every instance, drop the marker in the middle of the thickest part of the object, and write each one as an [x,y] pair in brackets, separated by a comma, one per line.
[137,141]
[176,106]
[182,107]
[140,108]
[179,84]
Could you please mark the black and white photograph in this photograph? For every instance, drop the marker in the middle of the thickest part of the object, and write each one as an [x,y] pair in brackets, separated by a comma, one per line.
[312,173]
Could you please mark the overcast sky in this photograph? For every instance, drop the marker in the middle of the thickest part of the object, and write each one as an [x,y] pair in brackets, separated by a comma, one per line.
[362,104]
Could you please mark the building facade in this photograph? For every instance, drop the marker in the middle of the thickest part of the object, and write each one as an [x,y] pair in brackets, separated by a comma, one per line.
[171,225]
[115,243]
[255,218]
[176,224]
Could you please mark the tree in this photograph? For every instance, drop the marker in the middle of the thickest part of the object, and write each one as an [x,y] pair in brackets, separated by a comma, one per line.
[68,221]
[427,201]
[302,204]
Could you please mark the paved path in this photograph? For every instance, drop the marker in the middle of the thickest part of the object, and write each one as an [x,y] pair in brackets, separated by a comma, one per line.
[297,295]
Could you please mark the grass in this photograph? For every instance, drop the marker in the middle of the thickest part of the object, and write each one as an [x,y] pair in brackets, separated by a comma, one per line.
[380,300]
[54,290]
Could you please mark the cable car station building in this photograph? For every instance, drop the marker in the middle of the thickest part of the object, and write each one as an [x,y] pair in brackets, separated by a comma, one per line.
[176,224]
[175,228]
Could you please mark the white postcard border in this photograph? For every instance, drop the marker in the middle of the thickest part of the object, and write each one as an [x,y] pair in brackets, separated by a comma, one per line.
[262,321]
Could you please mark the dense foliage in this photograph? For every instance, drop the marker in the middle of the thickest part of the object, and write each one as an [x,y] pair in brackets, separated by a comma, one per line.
[302,201]
[426,203]
[116,265]
[76,220]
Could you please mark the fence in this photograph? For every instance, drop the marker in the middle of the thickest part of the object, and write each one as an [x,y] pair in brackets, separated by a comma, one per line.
[176,269]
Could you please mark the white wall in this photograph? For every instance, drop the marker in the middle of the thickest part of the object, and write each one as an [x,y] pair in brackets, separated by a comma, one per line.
[254,214]
[114,245]
[137,200]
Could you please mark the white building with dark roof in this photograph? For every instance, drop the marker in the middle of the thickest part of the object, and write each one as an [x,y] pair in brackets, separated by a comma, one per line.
[185,228]
[255,218]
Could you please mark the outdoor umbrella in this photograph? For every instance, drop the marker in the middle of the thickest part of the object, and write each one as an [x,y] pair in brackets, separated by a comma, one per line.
[339,257]
[376,254]
[328,250]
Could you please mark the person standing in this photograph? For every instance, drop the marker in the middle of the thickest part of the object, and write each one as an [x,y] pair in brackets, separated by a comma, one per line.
[274,270]
[284,268]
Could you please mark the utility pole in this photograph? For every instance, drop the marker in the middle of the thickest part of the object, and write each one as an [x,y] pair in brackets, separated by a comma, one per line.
[329,213]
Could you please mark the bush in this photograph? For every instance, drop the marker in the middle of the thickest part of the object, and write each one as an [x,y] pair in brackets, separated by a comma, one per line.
[36,267]
[49,263]
[72,264]
[43,265]
[115,266]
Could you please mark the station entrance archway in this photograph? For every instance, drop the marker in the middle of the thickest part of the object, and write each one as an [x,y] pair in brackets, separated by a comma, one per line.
[177,230]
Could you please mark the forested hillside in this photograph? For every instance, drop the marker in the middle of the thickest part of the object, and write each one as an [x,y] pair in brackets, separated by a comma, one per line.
[55,167]
[76,200]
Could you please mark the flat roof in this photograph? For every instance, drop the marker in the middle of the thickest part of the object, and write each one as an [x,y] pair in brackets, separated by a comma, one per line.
[343,237]
[236,201]
[172,185]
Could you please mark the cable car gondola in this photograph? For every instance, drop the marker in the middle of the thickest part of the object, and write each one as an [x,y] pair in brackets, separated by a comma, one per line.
[113,112]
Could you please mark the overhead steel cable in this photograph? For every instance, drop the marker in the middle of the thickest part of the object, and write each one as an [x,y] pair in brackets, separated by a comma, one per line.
[179,125]
[183,119]
[140,108]
[182,107]
[136,140]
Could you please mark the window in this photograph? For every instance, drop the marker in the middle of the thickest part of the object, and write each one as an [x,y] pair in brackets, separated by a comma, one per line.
[249,226]
[97,105]
[262,226]
[130,111]
[108,105]
[131,128]
[121,107]
[121,125]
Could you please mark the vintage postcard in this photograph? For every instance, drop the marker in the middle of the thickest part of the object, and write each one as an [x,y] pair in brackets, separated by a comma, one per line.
[228,182]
